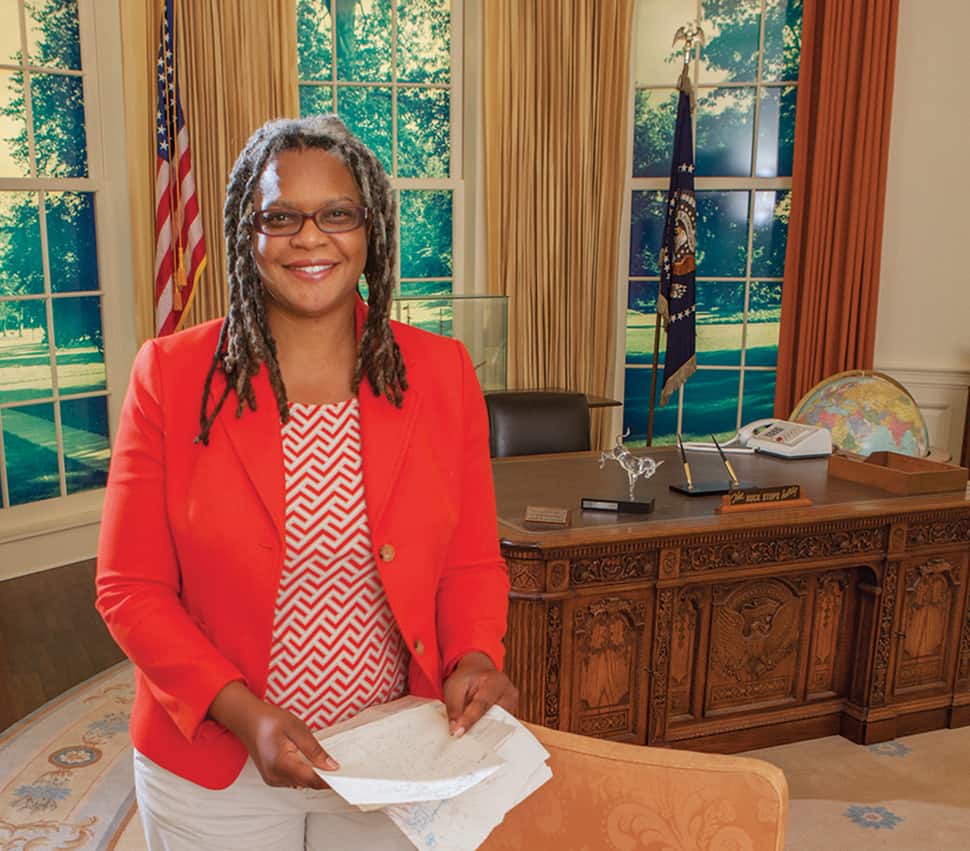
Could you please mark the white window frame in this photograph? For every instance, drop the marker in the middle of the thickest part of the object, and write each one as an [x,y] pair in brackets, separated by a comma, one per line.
[52,532]
[748,184]
[455,182]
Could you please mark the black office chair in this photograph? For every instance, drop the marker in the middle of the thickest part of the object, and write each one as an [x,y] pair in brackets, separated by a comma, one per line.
[533,422]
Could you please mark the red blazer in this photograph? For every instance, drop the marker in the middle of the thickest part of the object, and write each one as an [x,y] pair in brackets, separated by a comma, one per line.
[192,537]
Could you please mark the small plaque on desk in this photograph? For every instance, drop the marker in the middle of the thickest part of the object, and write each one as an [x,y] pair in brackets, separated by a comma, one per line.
[753,496]
[620,506]
[752,499]
[547,515]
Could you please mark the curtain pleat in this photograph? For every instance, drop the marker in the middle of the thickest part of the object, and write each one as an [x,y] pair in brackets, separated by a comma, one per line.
[556,118]
[237,69]
[831,286]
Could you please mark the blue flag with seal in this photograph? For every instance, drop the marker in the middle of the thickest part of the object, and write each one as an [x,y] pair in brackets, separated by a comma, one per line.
[676,300]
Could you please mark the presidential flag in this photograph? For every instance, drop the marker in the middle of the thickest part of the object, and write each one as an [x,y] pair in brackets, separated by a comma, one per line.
[179,241]
[676,300]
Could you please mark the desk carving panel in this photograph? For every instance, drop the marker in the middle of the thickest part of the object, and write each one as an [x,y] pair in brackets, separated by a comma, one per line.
[727,633]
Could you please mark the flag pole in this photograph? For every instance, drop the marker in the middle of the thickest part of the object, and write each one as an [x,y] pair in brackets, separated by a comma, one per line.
[691,34]
[653,380]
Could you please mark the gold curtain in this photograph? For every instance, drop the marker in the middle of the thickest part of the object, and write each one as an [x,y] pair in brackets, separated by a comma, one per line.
[237,69]
[556,116]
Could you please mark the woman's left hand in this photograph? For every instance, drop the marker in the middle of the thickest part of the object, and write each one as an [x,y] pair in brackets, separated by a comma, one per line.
[473,688]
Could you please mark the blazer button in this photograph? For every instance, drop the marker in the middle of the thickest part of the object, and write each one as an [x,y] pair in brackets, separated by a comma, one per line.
[419,647]
[387,552]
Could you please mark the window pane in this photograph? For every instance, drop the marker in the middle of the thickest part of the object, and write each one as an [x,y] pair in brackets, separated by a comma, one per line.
[733,31]
[14,156]
[367,112]
[764,322]
[646,231]
[641,322]
[25,366]
[722,233]
[363,40]
[84,431]
[426,232]
[654,115]
[720,321]
[776,132]
[636,408]
[316,100]
[79,344]
[53,39]
[783,39]
[71,240]
[424,41]
[314,34]
[423,132]
[771,211]
[711,404]
[30,453]
[433,315]
[9,34]
[424,288]
[21,266]
[57,102]
[725,132]
[759,395]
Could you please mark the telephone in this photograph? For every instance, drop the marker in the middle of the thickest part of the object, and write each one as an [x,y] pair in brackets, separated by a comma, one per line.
[785,439]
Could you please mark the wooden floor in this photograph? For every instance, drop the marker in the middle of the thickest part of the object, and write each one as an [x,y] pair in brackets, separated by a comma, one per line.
[51,637]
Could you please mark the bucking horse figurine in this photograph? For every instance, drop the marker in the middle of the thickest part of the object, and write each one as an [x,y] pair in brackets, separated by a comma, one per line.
[636,467]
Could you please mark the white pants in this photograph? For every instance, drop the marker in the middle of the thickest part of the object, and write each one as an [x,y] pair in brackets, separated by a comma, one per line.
[179,815]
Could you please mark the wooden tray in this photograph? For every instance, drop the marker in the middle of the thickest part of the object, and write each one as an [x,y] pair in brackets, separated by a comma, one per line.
[902,474]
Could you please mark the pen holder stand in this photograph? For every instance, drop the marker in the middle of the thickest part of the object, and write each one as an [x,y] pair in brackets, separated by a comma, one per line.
[709,488]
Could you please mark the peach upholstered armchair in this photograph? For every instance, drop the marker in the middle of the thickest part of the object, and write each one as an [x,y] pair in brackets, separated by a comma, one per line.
[605,795]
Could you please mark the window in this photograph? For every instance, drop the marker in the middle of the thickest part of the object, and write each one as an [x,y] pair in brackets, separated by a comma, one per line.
[391,70]
[54,436]
[745,82]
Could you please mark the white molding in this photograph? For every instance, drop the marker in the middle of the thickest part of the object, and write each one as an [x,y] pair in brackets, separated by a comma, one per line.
[49,533]
[59,547]
[939,376]
[941,394]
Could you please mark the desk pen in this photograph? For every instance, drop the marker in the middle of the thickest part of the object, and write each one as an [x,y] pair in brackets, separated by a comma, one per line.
[683,458]
[727,464]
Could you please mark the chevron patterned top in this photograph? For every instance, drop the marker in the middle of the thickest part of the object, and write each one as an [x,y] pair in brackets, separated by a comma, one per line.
[336,646]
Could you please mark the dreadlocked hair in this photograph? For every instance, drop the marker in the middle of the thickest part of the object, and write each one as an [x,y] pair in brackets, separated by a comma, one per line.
[245,340]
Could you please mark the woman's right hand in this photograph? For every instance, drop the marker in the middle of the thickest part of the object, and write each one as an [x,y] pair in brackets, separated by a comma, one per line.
[282,747]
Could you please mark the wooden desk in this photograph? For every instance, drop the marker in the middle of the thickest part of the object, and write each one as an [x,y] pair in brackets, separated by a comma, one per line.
[729,632]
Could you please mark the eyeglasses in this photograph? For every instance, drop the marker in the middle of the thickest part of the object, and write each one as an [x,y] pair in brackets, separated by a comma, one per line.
[333,218]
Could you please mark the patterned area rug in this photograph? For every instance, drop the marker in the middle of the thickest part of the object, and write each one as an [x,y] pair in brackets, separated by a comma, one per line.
[65,771]
[66,783]
[909,794]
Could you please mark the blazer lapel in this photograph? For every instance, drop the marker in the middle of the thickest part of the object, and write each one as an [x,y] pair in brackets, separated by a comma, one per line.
[385,433]
[256,439]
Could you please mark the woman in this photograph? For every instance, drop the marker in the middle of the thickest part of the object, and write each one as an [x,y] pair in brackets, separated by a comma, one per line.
[319,537]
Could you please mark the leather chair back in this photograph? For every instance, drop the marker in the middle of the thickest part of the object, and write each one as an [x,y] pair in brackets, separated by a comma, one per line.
[535,422]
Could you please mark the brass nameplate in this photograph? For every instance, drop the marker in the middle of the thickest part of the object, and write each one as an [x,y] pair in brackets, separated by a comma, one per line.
[758,496]
[549,515]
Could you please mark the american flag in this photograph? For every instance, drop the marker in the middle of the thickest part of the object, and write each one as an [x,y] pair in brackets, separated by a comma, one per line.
[179,241]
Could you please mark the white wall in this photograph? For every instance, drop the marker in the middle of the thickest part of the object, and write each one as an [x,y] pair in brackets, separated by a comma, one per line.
[923,321]
[924,300]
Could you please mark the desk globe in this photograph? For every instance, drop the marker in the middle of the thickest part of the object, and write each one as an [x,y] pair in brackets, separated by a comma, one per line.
[866,412]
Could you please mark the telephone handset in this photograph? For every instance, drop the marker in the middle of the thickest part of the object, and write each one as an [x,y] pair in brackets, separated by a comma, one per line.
[785,439]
